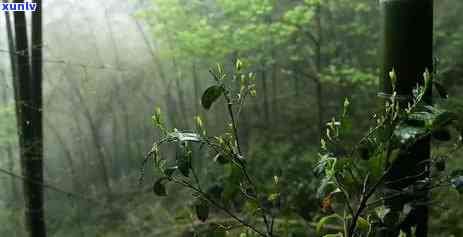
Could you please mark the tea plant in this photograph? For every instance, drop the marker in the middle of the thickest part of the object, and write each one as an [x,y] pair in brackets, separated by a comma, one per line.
[224,149]
[361,191]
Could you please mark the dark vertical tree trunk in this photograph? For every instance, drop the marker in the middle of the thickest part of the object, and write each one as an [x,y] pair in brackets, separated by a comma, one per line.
[13,56]
[274,75]
[113,40]
[297,81]
[128,138]
[318,65]
[196,88]
[95,136]
[67,154]
[30,116]
[115,140]
[407,48]
[11,47]
[180,94]
[161,73]
[265,94]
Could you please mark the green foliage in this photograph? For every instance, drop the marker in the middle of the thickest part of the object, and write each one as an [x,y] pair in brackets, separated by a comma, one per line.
[159,188]
[360,172]
[225,150]
[211,95]
[202,210]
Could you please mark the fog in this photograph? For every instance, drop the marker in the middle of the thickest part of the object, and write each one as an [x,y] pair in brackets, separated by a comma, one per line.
[292,66]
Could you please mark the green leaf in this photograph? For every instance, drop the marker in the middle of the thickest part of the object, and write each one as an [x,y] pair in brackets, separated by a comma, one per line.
[157,119]
[238,65]
[221,159]
[211,95]
[326,186]
[215,191]
[170,171]
[442,134]
[363,224]
[443,119]
[367,149]
[183,159]
[406,134]
[440,165]
[433,118]
[393,78]
[273,196]
[251,207]
[159,188]
[216,232]
[202,210]
[440,117]
[186,136]
[327,219]
[420,119]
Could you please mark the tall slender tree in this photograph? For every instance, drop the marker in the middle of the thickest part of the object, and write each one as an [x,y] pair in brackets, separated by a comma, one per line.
[407,49]
[28,83]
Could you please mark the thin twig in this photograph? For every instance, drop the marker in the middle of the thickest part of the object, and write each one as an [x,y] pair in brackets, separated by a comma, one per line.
[214,203]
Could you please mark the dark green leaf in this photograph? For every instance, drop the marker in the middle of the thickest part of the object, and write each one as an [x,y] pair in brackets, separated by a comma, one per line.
[440,117]
[215,191]
[159,188]
[418,119]
[441,90]
[443,119]
[441,134]
[211,95]
[432,118]
[221,159]
[202,210]
[170,171]
[440,165]
[366,149]
[183,158]
[217,232]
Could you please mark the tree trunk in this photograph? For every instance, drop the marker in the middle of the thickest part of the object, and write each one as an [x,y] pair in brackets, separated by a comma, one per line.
[318,65]
[274,75]
[67,154]
[181,97]
[196,88]
[13,56]
[407,48]
[95,136]
[30,116]
[265,95]
[297,81]
[9,148]
[160,70]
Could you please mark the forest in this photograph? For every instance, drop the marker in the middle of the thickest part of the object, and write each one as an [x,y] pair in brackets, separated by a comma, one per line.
[231,118]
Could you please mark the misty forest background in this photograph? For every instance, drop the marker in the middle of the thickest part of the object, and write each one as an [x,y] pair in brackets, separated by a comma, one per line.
[109,64]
